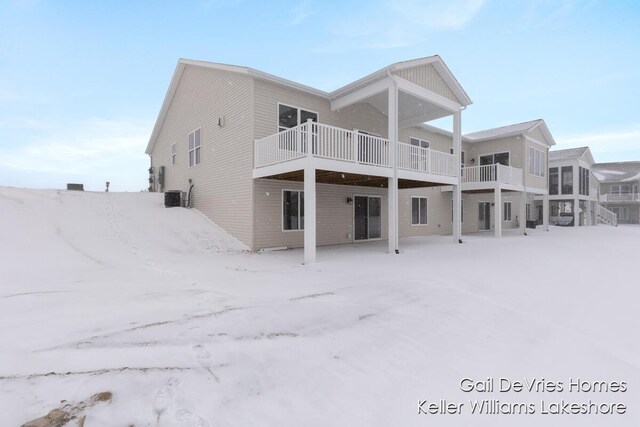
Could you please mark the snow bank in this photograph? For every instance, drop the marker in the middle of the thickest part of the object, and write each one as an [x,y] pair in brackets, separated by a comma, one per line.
[112,292]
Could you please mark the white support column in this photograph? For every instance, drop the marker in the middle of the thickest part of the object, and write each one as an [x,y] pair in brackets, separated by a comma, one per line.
[497,212]
[309,214]
[545,212]
[523,213]
[393,182]
[576,197]
[457,190]
[309,202]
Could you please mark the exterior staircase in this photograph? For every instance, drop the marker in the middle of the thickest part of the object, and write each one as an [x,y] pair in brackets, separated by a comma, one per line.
[605,216]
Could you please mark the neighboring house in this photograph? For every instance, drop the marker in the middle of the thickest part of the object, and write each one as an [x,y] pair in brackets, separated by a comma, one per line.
[573,190]
[279,164]
[504,167]
[619,189]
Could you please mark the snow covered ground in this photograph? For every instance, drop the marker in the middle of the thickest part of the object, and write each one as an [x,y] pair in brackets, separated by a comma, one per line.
[113,292]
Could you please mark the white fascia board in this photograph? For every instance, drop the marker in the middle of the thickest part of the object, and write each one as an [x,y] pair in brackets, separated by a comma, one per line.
[414,63]
[452,82]
[168,97]
[547,133]
[426,95]
[535,141]
[360,94]
[444,72]
[257,74]
[215,66]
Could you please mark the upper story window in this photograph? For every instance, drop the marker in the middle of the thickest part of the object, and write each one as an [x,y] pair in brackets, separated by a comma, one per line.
[567,179]
[554,181]
[289,117]
[496,158]
[174,153]
[536,162]
[419,142]
[583,186]
[194,148]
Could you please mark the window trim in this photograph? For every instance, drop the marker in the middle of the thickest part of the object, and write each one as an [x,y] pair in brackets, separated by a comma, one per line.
[562,184]
[504,212]
[419,224]
[299,109]
[557,173]
[420,140]
[353,217]
[174,153]
[541,165]
[284,230]
[195,148]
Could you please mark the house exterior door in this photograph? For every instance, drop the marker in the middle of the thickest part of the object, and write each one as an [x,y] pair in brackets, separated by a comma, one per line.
[484,216]
[367,217]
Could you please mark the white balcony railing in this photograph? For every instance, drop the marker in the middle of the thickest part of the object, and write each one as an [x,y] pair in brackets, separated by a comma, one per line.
[419,159]
[606,216]
[629,197]
[492,173]
[330,142]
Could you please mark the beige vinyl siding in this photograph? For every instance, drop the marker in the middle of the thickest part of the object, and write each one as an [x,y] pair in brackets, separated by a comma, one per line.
[537,134]
[360,116]
[438,216]
[437,141]
[223,180]
[471,201]
[429,78]
[513,145]
[334,215]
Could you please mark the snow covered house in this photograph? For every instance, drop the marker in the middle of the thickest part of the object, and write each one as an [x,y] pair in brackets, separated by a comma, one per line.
[619,189]
[280,164]
[573,189]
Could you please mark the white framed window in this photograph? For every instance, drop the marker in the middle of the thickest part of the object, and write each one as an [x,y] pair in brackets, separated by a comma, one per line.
[419,211]
[419,142]
[495,158]
[292,210]
[194,148]
[290,117]
[536,162]
[174,153]
[507,211]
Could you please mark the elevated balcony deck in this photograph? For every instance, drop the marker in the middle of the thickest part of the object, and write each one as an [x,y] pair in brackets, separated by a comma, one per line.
[620,198]
[488,177]
[345,151]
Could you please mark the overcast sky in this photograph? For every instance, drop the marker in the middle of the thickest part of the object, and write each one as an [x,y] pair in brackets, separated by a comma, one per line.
[81,83]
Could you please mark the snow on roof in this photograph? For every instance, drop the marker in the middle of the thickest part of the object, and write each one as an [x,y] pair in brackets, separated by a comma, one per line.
[503,131]
[616,171]
[569,153]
